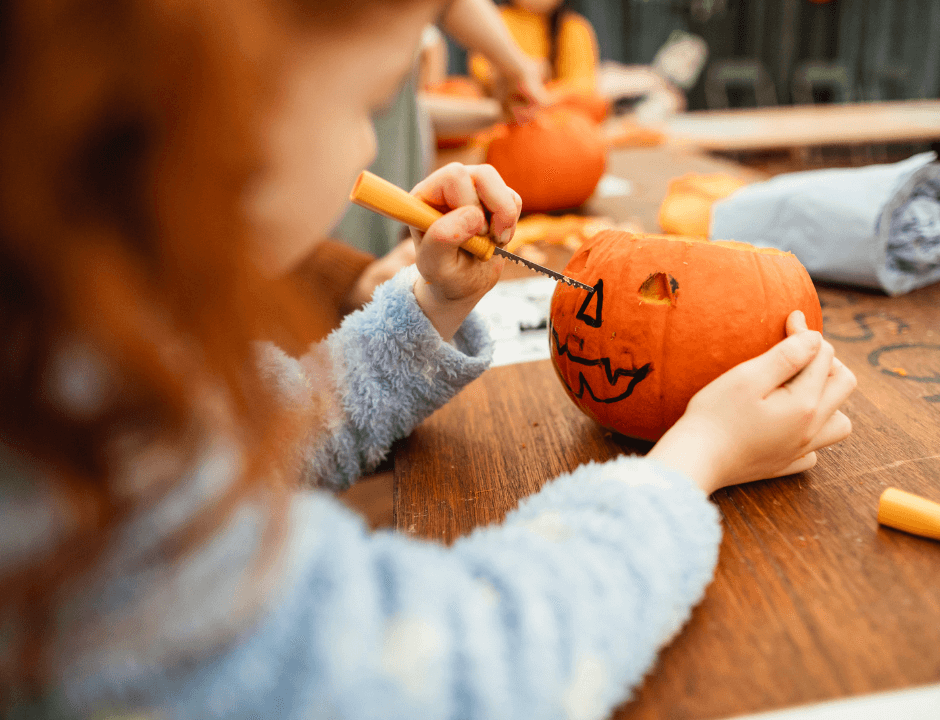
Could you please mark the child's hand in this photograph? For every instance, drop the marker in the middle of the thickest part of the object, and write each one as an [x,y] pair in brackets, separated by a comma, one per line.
[454,280]
[521,91]
[765,417]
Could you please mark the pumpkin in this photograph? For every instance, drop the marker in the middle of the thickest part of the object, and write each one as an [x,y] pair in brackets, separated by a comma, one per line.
[554,161]
[592,104]
[667,316]
[687,207]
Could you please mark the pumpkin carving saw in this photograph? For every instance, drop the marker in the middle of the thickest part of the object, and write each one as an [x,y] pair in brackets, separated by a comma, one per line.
[667,316]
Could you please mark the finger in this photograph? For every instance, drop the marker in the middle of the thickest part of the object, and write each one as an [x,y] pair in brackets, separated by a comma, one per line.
[796,322]
[450,187]
[521,113]
[836,429]
[840,383]
[518,198]
[447,233]
[810,382]
[782,361]
[499,199]
[801,464]
[532,93]
[537,92]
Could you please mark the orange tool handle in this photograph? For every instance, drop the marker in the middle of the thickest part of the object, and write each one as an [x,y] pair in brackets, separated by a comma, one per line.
[381,196]
[910,513]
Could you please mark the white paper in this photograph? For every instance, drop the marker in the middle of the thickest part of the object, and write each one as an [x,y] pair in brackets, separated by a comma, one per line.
[516,314]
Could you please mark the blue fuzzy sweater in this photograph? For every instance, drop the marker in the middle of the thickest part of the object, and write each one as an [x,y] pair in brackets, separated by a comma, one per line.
[556,613]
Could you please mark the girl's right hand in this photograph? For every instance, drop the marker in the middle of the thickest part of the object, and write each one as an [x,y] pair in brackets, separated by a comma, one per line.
[522,91]
[765,417]
[452,281]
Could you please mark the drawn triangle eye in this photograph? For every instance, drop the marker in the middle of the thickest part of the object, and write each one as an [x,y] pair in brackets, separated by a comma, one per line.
[592,307]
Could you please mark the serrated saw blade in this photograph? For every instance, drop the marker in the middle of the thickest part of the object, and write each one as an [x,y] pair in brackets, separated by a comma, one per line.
[544,270]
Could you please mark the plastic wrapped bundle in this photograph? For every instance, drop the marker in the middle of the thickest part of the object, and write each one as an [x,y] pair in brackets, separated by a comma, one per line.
[876,226]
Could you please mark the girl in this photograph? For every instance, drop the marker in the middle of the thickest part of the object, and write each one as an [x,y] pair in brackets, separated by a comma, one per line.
[561,41]
[163,549]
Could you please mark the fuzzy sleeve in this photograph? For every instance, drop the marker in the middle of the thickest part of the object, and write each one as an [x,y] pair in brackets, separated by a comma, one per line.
[556,613]
[374,380]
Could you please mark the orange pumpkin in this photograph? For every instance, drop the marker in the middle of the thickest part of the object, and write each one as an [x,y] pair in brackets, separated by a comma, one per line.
[687,207]
[553,161]
[667,316]
[592,104]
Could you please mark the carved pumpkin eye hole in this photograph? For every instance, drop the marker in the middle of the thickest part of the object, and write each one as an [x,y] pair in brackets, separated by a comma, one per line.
[659,289]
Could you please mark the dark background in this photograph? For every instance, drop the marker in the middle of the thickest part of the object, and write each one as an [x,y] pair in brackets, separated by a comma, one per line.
[879,49]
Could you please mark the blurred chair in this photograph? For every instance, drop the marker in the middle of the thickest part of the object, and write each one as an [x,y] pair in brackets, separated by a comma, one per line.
[891,81]
[816,83]
[740,74]
[830,80]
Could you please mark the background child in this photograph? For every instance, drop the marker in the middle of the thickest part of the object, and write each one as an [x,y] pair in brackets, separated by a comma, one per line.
[558,38]
[159,554]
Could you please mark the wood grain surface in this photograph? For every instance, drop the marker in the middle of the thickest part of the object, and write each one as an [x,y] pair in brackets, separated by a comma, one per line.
[806,125]
[649,171]
[812,600]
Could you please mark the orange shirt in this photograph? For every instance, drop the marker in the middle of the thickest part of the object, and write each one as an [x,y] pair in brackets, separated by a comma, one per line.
[576,64]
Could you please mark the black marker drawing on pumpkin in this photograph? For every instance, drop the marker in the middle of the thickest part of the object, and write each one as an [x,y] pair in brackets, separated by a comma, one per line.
[598,296]
[636,375]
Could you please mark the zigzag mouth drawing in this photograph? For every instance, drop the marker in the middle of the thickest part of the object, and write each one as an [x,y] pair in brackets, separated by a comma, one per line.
[636,375]
[595,319]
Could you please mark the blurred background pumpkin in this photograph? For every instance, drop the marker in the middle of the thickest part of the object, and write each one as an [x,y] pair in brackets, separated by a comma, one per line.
[687,207]
[553,161]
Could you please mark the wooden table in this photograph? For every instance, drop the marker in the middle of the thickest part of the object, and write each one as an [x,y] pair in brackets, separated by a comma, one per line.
[649,171]
[792,126]
[812,600]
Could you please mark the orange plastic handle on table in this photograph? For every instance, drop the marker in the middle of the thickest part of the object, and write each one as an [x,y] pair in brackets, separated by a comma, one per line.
[909,512]
[385,198]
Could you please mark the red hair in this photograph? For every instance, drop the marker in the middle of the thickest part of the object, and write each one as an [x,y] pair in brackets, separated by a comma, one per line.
[128,132]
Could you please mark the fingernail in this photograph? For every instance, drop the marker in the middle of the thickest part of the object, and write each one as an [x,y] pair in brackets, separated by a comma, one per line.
[505,236]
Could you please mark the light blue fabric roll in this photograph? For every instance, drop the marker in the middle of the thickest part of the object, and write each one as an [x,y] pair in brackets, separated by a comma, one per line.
[875,226]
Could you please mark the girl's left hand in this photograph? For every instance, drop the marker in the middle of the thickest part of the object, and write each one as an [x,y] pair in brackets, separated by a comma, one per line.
[479,203]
